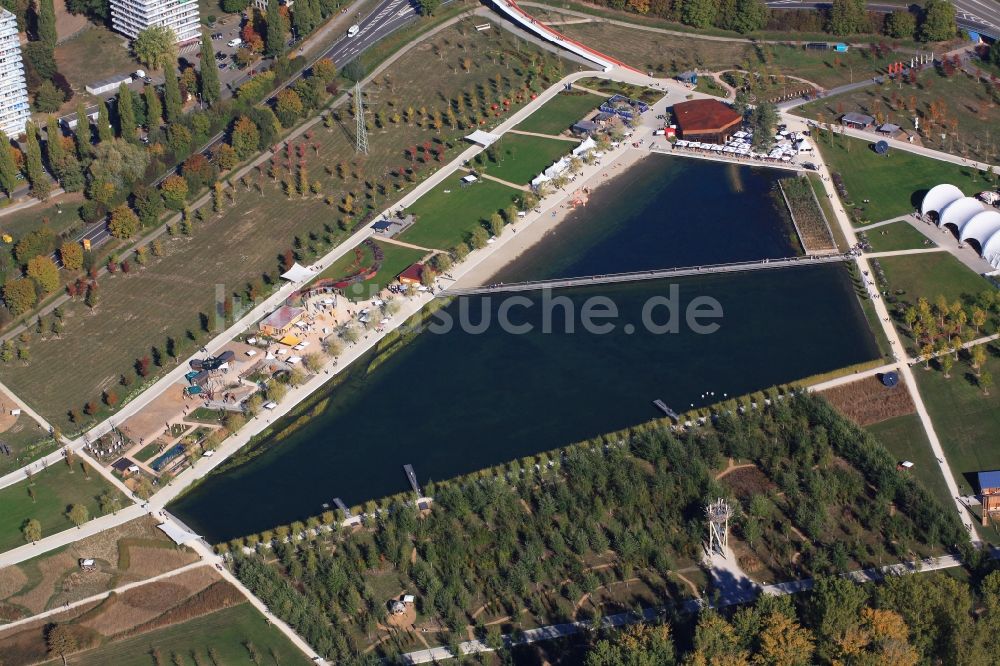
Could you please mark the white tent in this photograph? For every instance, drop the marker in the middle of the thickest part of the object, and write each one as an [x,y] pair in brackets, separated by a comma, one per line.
[297,273]
[585,145]
[484,139]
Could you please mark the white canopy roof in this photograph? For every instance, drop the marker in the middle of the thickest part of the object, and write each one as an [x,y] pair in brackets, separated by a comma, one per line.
[482,138]
[177,534]
[297,273]
[938,197]
[585,145]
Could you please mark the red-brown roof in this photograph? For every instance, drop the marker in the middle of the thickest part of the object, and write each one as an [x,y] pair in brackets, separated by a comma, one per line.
[705,115]
[415,272]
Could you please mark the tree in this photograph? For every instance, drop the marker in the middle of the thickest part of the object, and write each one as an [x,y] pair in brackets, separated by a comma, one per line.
[71,255]
[288,107]
[175,191]
[783,642]
[82,134]
[303,19]
[53,145]
[104,131]
[48,98]
[750,15]
[46,27]
[699,13]
[210,88]
[938,22]
[901,24]
[32,530]
[947,363]
[764,118]
[124,223]
[60,640]
[428,7]
[109,502]
[44,272]
[8,168]
[78,514]
[118,163]
[274,40]
[19,295]
[40,184]
[172,96]
[986,381]
[245,137]
[154,108]
[847,17]
[156,47]
[126,114]
[496,224]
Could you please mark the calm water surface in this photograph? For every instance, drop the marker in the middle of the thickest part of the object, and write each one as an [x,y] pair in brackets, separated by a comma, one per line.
[450,404]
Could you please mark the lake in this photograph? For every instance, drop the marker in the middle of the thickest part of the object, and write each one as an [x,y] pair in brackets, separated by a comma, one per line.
[452,403]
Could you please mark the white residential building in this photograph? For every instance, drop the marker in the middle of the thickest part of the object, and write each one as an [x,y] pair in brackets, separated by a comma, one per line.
[14,108]
[130,17]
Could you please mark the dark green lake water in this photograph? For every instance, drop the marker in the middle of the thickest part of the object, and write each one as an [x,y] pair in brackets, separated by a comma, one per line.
[452,403]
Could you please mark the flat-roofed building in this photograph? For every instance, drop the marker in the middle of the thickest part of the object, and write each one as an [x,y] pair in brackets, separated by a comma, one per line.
[130,17]
[14,108]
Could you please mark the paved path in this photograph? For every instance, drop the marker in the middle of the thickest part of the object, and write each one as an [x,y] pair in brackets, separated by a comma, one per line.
[945,239]
[903,253]
[876,225]
[899,350]
[545,136]
[853,377]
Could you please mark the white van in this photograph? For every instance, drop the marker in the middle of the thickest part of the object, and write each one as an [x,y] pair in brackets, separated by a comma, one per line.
[236,41]
[353,30]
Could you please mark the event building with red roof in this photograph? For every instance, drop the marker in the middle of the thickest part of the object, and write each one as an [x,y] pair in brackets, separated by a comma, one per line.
[706,120]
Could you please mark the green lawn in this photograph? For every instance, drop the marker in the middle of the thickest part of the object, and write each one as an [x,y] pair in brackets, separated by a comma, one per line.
[560,112]
[27,441]
[966,421]
[55,489]
[520,158]
[827,69]
[148,452]
[930,275]
[96,53]
[450,212]
[895,184]
[396,259]
[905,438]
[709,86]
[897,236]
[227,632]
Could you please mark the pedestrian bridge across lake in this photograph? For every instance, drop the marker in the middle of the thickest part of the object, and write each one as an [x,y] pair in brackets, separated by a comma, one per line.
[738,267]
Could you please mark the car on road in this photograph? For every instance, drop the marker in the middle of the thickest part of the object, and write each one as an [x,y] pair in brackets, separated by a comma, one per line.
[353,30]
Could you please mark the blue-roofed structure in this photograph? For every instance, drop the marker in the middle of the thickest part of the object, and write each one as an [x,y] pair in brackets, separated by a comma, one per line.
[989,481]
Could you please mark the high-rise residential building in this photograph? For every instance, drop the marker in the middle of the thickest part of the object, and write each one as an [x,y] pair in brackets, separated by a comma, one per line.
[130,17]
[14,108]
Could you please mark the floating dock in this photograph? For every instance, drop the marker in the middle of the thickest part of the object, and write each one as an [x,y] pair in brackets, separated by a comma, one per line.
[662,406]
[412,478]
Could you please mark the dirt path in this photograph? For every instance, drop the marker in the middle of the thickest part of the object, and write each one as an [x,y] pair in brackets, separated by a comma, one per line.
[393,241]
[543,136]
[730,468]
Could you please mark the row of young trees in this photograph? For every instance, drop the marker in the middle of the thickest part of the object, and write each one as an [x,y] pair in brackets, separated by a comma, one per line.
[935,21]
[512,538]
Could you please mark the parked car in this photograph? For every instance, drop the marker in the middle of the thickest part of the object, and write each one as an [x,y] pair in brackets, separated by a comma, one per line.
[217,35]
[810,166]
[234,42]
[222,65]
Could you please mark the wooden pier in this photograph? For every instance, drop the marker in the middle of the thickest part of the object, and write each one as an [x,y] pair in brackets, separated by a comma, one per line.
[339,503]
[412,478]
[666,410]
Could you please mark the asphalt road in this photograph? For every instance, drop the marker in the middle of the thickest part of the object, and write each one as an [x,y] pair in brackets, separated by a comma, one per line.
[982,16]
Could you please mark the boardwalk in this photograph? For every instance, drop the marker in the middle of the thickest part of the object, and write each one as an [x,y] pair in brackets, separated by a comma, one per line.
[740,267]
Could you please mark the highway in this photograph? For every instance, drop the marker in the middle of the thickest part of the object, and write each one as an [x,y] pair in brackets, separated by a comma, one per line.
[982,16]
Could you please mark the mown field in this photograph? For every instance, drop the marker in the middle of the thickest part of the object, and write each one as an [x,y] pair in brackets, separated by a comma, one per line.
[46,498]
[173,297]
[449,213]
[519,158]
[896,236]
[894,184]
[560,112]
[930,275]
[906,439]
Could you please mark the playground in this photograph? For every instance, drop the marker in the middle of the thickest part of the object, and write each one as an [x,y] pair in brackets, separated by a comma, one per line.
[367,269]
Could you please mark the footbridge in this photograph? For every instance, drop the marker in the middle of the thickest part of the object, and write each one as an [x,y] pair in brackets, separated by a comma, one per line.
[510,9]
[711,269]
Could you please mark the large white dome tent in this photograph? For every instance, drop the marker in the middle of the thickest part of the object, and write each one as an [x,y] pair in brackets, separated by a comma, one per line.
[972,219]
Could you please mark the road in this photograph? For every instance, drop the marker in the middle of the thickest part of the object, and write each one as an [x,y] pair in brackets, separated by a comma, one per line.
[983,16]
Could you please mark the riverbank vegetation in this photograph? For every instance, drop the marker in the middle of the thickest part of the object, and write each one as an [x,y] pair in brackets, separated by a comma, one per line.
[811,224]
[538,540]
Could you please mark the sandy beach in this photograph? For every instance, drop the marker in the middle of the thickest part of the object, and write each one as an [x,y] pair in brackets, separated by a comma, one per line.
[555,209]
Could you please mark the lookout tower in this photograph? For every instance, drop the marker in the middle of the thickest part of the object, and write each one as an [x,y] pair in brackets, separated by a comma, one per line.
[718,513]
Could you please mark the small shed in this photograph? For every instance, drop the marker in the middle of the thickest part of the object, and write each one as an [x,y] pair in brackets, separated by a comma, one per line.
[469,178]
[888,129]
[690,77]
[856,120]
[585,127]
